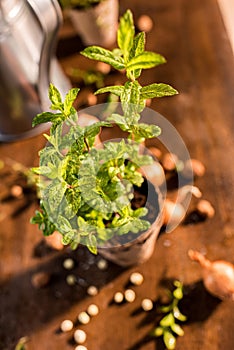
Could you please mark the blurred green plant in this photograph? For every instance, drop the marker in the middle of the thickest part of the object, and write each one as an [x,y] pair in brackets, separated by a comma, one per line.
[168,327]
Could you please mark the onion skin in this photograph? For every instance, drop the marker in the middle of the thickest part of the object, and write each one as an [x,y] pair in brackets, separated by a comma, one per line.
[218,276]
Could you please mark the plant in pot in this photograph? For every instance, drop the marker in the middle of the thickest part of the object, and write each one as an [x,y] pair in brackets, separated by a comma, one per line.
[97,194]
[94,20]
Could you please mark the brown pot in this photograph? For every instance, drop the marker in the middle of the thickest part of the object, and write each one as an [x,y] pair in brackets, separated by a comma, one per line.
[96,25]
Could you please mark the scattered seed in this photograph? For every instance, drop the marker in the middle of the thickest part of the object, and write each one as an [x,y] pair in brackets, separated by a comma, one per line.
[54,241]
[83,317]
[16,191]
[129,295]
[167,243]
[102,264]
[147,304]
[92,291]
[66,326]
[173,212]
[104,68]
[205,208]
[145,23]
[93,310]
[197,167]
[80,336]
[91,99]
[68,264]
[71,280]
[136,278]
[40,279]
[155,151]
[118,297]
[81,347]
[169,161]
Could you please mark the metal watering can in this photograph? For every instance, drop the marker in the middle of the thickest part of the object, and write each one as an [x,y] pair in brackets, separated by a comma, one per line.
[28,32]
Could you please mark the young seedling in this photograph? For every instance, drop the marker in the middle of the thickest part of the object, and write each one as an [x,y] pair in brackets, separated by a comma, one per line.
[86,191]
[168,327]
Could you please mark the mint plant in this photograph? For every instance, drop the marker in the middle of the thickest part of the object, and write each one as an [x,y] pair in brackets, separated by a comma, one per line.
[168,326]
[86,192]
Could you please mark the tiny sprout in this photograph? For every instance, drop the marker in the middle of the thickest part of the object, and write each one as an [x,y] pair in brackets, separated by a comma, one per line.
[168,327]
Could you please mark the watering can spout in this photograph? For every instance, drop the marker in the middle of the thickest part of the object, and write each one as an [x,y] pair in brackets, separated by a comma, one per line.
[28,35]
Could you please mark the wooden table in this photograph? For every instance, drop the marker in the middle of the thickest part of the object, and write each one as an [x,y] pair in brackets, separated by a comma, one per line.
[191,35]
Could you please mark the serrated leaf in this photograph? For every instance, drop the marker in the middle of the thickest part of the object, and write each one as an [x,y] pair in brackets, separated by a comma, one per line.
[138,47]
[119,120]
[53,195]
[145,60]
[146,131]
[116,90]
[100,54]
[157,90]
[46,117]
[125,34]
[55,97]
[70,99]
[63,224]
[92,244]
[169,340]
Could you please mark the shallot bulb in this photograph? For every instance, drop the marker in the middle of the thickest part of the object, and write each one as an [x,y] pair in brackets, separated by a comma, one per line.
[218,276]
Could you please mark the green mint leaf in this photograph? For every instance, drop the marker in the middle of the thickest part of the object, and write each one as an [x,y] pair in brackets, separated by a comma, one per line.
[100,54]
[55,98]
[46,117]
[119,120]
[137,49]
[125,34]
[145,60]
[92,243]
[69,100]
[63,224]
[157,90]
[53,195]
[116,90]
[145,131]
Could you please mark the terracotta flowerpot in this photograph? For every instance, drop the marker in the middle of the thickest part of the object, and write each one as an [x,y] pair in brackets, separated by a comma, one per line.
[96,25]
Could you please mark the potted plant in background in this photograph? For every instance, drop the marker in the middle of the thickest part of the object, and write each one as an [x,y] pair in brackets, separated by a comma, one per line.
[95,21]
[97,194]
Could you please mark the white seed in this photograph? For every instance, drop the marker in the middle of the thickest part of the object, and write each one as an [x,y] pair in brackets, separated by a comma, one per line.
[102,264]
[71,280]
[145,23]
[136,278]
[66,326]
[129,295]
[68,264]
[147,304]
[205,207]
[93,310]
[118,297]
[83,317]
[80,336]
[80,347]
[92,290]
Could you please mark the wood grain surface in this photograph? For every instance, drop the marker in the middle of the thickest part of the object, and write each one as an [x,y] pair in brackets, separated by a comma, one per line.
[192,37]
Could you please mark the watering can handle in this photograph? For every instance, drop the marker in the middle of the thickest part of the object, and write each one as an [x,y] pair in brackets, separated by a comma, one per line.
[49,15]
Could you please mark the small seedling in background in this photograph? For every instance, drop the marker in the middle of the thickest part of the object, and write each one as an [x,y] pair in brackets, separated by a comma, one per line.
[168,327]
[21,345]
